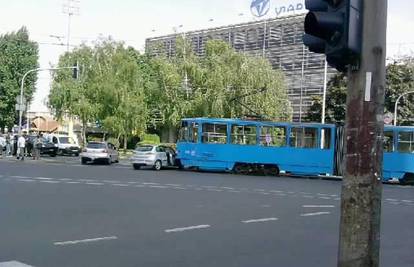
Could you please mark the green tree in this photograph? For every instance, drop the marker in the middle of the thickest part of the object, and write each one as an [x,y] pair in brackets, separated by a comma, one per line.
[110,89]
[222,83]
[17,56]
[79,97]
[335,102]
[399,80]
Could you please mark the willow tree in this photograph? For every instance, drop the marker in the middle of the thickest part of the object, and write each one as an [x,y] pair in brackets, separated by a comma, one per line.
[109,89]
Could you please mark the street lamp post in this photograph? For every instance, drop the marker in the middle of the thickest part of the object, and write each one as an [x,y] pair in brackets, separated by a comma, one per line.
[22,90]
[396,105]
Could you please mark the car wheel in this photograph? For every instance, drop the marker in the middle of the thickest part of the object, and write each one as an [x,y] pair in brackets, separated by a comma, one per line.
[158,165]
[76,154]
[109,161]
[83,161]
[136,166]
[53,155]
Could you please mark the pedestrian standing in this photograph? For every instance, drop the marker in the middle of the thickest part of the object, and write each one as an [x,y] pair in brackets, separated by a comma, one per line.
[2,145]
[15,139]
[21,146]
[37,145]
[8,145]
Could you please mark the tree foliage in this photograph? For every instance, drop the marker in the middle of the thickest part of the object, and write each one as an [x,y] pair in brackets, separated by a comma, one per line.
[127,91]
[17,56]
[110,89]
[399,80]
[223,83]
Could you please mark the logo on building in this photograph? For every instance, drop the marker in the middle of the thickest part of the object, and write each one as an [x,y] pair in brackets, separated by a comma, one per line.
[260,8]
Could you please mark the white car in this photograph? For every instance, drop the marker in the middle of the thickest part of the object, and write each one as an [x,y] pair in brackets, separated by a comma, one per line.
[155,156]
[99,152]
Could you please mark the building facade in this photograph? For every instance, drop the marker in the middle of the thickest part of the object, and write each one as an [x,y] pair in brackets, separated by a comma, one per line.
[279,40]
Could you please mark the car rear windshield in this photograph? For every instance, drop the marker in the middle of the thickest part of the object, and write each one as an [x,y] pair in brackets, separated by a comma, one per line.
[96,145]
[144,148]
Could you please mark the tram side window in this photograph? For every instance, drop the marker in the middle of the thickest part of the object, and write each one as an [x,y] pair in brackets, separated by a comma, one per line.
[244,135]
[273,136]
[194,133]
[304,137]
[183,133]
[388,141]
[326,138]
[214,133]
[406,142]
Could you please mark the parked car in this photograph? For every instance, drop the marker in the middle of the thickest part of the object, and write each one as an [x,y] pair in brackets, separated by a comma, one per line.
[99,152]
[156,156]
[47,148]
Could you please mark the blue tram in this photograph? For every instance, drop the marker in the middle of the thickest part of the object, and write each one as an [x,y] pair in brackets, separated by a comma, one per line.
[272,147]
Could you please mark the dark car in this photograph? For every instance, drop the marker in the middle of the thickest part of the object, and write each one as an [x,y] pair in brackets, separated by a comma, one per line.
[47,147]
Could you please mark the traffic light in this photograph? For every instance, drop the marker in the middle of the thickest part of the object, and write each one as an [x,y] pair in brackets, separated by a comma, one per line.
[334,28]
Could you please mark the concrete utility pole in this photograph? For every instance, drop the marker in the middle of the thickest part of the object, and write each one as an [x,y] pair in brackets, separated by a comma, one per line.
[362,189]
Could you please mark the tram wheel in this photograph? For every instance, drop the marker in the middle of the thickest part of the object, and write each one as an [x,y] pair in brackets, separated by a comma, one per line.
[272,170]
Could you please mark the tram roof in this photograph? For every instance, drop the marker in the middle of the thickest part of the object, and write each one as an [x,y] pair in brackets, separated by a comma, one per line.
[227,120]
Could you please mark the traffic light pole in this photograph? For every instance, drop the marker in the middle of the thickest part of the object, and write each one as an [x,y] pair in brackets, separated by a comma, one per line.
[362,189]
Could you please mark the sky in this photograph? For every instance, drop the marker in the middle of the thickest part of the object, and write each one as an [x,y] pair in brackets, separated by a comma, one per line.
[132,21]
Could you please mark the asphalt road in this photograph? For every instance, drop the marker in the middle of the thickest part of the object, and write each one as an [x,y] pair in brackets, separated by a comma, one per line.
[57,213]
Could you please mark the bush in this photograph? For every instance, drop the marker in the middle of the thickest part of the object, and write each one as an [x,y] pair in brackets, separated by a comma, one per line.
[150,139]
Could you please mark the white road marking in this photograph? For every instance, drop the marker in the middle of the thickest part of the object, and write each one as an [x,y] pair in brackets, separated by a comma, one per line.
[173,184]
[158,186]
[391,199]
[227,188]
[13,264]
[111,181]
[260,220]
[234,191]
[324,197]
[259,190]
[42,178]
[407,201]
[151,183]
[73,182]
[265,206]
[95,183]
[65,179]
[124,185]
[27,180]
[65,243]
[315,214]
[277,191]
[214,190]
[88,180]
[308,197]
[20,177]
[50,182]
[318,206]
[175,230]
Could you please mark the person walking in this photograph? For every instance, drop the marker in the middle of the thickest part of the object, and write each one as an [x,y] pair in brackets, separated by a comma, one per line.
[21,146]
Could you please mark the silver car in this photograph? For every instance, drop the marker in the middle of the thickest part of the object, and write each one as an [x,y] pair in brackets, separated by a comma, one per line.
[99,152]
[155,156]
